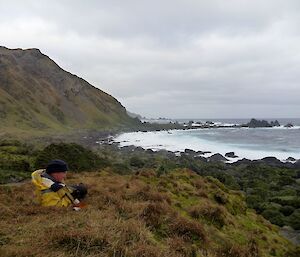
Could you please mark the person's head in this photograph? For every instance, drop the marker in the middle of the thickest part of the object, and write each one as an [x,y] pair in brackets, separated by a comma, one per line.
[57,169]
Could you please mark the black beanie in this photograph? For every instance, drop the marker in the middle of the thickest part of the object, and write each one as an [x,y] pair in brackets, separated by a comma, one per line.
[56,166]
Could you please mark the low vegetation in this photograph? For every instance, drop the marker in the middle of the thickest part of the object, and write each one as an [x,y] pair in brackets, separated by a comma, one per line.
[207,199]
[16,161]
[175,214]
[78,157]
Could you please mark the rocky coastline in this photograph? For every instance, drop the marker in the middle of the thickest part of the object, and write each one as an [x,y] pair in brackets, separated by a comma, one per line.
[229,158]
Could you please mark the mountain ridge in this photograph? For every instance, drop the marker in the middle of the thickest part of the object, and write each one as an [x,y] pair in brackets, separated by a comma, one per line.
[37,94]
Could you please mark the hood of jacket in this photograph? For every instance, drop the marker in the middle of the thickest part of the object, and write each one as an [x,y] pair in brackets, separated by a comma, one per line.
[42,180]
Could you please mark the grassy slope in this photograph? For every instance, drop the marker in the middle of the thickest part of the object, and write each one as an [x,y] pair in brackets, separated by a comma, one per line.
[180,214]
[275,195]
[36,95]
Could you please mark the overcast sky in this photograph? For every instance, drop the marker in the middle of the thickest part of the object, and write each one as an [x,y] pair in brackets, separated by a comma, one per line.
[171,58]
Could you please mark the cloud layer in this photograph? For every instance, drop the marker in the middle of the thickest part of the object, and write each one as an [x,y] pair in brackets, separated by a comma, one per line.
[205,59]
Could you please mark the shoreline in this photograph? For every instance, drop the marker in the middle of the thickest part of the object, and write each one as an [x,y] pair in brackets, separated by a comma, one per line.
[198,147]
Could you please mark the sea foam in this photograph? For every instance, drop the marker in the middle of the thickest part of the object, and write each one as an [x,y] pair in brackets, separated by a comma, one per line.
[209,140]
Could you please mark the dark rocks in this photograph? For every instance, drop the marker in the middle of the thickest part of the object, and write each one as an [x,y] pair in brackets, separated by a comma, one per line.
[191,123]
[261,124]
[258,123]
[243,161]
[202,152]
[139,149]
[193,153]
[275,123]
[297,164]
[150,151]
[189,151]
[128,148]
[165,153]
[272,161]
[289,125]
[217,158]
[290,159]
[200,158]
[231,155]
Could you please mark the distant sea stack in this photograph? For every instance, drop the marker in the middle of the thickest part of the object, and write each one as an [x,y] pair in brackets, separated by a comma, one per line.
[289,125]
[261,124]
[36,94]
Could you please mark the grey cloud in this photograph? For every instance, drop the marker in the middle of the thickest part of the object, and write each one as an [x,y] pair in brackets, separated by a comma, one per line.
[187,58]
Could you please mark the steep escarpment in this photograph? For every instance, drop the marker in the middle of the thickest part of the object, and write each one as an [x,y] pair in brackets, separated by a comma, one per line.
[36,94]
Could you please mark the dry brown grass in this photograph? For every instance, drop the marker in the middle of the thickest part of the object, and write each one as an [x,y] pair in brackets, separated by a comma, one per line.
[154,214]
[126,216]
[181,247]
[236,250]
[146,250]
[199,183]
[201,193]
[117,221]
[211,212]
[187,229]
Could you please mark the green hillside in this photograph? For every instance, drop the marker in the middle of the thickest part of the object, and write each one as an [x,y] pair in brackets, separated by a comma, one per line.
[37,95]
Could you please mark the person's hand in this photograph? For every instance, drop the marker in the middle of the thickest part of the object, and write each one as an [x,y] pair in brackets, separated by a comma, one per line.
[77,206]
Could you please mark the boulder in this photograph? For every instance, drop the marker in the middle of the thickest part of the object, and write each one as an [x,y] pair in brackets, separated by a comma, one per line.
[289,125]
[272,161]
[231,155]
[189,151]
[290,159]
[217,158]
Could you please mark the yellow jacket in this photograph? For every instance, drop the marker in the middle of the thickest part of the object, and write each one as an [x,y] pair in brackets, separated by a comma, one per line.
[45,193]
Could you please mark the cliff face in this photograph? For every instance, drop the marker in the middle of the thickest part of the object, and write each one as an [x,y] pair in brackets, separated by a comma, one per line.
[35,93]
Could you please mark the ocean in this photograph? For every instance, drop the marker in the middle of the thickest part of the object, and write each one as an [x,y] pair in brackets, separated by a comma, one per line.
[250,143]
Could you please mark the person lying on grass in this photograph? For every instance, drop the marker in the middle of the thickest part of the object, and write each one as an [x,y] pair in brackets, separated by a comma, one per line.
[51,190]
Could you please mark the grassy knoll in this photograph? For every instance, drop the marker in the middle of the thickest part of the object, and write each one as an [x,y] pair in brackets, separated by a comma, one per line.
[175,214]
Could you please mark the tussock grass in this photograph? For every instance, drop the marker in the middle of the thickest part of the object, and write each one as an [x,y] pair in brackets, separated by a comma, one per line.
[187,229]
[130,216]
[211,212]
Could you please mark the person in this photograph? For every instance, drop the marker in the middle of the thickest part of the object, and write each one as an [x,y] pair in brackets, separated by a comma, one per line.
[50,189]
